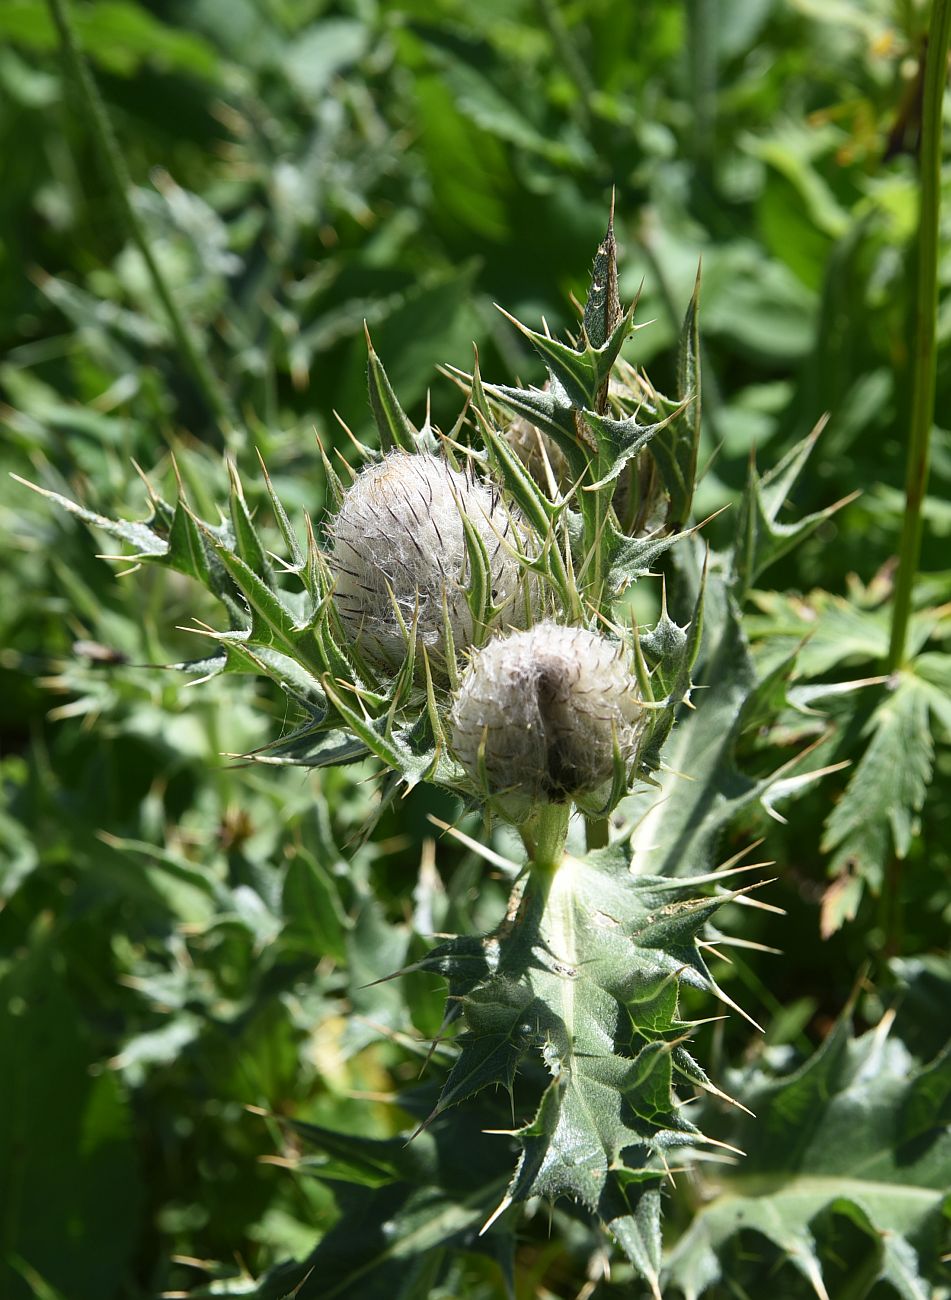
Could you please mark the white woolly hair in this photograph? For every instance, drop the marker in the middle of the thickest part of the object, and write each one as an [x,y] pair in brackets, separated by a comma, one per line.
[398,540]
[537,713]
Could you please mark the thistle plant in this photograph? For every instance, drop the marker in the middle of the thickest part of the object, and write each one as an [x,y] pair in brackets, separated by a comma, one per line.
[462,617]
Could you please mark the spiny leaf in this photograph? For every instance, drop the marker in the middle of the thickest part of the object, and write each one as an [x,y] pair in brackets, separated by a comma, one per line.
[586,956]
[632,558]
[761,539]
[602,309]
[549,410]
[247,544]
[419,1204]
[394,425]
[831,1135]
[147,543]
[676,680]
[676,445]
[664,646]
[701,789]
[619,441]
[280,514]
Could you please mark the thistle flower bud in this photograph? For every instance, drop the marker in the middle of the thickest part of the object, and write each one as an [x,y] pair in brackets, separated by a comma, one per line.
[538,713]
[399,553]
[533,448]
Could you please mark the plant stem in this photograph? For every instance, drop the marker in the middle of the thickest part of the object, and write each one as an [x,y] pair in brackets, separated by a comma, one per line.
[545,836]
[702,28]
[211,387]
[926,305]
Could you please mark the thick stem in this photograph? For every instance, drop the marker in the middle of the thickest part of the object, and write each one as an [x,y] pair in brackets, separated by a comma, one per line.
[544,836]
[95,111]
[923,348]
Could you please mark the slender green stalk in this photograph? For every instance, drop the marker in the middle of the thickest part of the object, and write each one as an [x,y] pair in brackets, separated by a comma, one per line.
[211,387]
[926,305]
[702,29]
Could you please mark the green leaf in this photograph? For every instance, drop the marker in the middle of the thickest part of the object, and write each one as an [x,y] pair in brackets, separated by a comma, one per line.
[761,538]
[410,1209]
[700,789]
[831,1135]
[394,425]
[247,544]
[582,373]
[147,543]
[676,445]
[549,410]
[593,954]
[61,1114]
[875,817]
[602,309]
[392,422]
[619,441]
[310,901]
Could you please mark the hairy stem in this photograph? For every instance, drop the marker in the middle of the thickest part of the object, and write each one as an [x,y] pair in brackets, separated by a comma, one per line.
[923,348]
[98,120]
[545,834]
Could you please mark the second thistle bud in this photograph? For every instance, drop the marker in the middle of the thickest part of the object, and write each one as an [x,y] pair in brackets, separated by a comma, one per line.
[400,557]
[542,716]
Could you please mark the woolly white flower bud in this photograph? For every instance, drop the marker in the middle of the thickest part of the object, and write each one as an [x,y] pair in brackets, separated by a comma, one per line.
[398,540]
[538,713]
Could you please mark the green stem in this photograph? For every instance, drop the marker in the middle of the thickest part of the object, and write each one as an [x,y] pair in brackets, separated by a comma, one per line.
[702,29]
[544,836]
[95,110]
[926,307]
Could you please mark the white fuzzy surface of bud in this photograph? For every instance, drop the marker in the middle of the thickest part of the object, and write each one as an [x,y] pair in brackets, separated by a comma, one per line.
[398,544]
[538,713]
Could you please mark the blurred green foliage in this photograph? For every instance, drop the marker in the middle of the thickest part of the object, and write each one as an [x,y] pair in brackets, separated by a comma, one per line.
[183,937]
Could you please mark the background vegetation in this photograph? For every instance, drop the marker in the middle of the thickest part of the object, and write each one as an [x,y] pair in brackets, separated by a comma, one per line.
[183,937]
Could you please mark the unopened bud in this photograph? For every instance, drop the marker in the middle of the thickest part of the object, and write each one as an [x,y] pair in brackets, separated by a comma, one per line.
[541,714]
[399,556]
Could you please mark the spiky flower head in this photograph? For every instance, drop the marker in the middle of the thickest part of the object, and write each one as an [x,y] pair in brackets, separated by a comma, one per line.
[400,555]
[544,715]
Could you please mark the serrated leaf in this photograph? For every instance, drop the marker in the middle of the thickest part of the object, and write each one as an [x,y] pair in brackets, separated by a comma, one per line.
[619,441]
[550,411]
[761,538]
[406,1204]
[875,816]
[592,952]
[272,621]
[602,309]
[146,542]
[632,558]
[499,1017]
[675,447]
[313,745]
[701,789]
[829,1136]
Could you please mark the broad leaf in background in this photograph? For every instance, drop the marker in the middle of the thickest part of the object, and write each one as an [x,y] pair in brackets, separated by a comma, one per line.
[860,1129]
